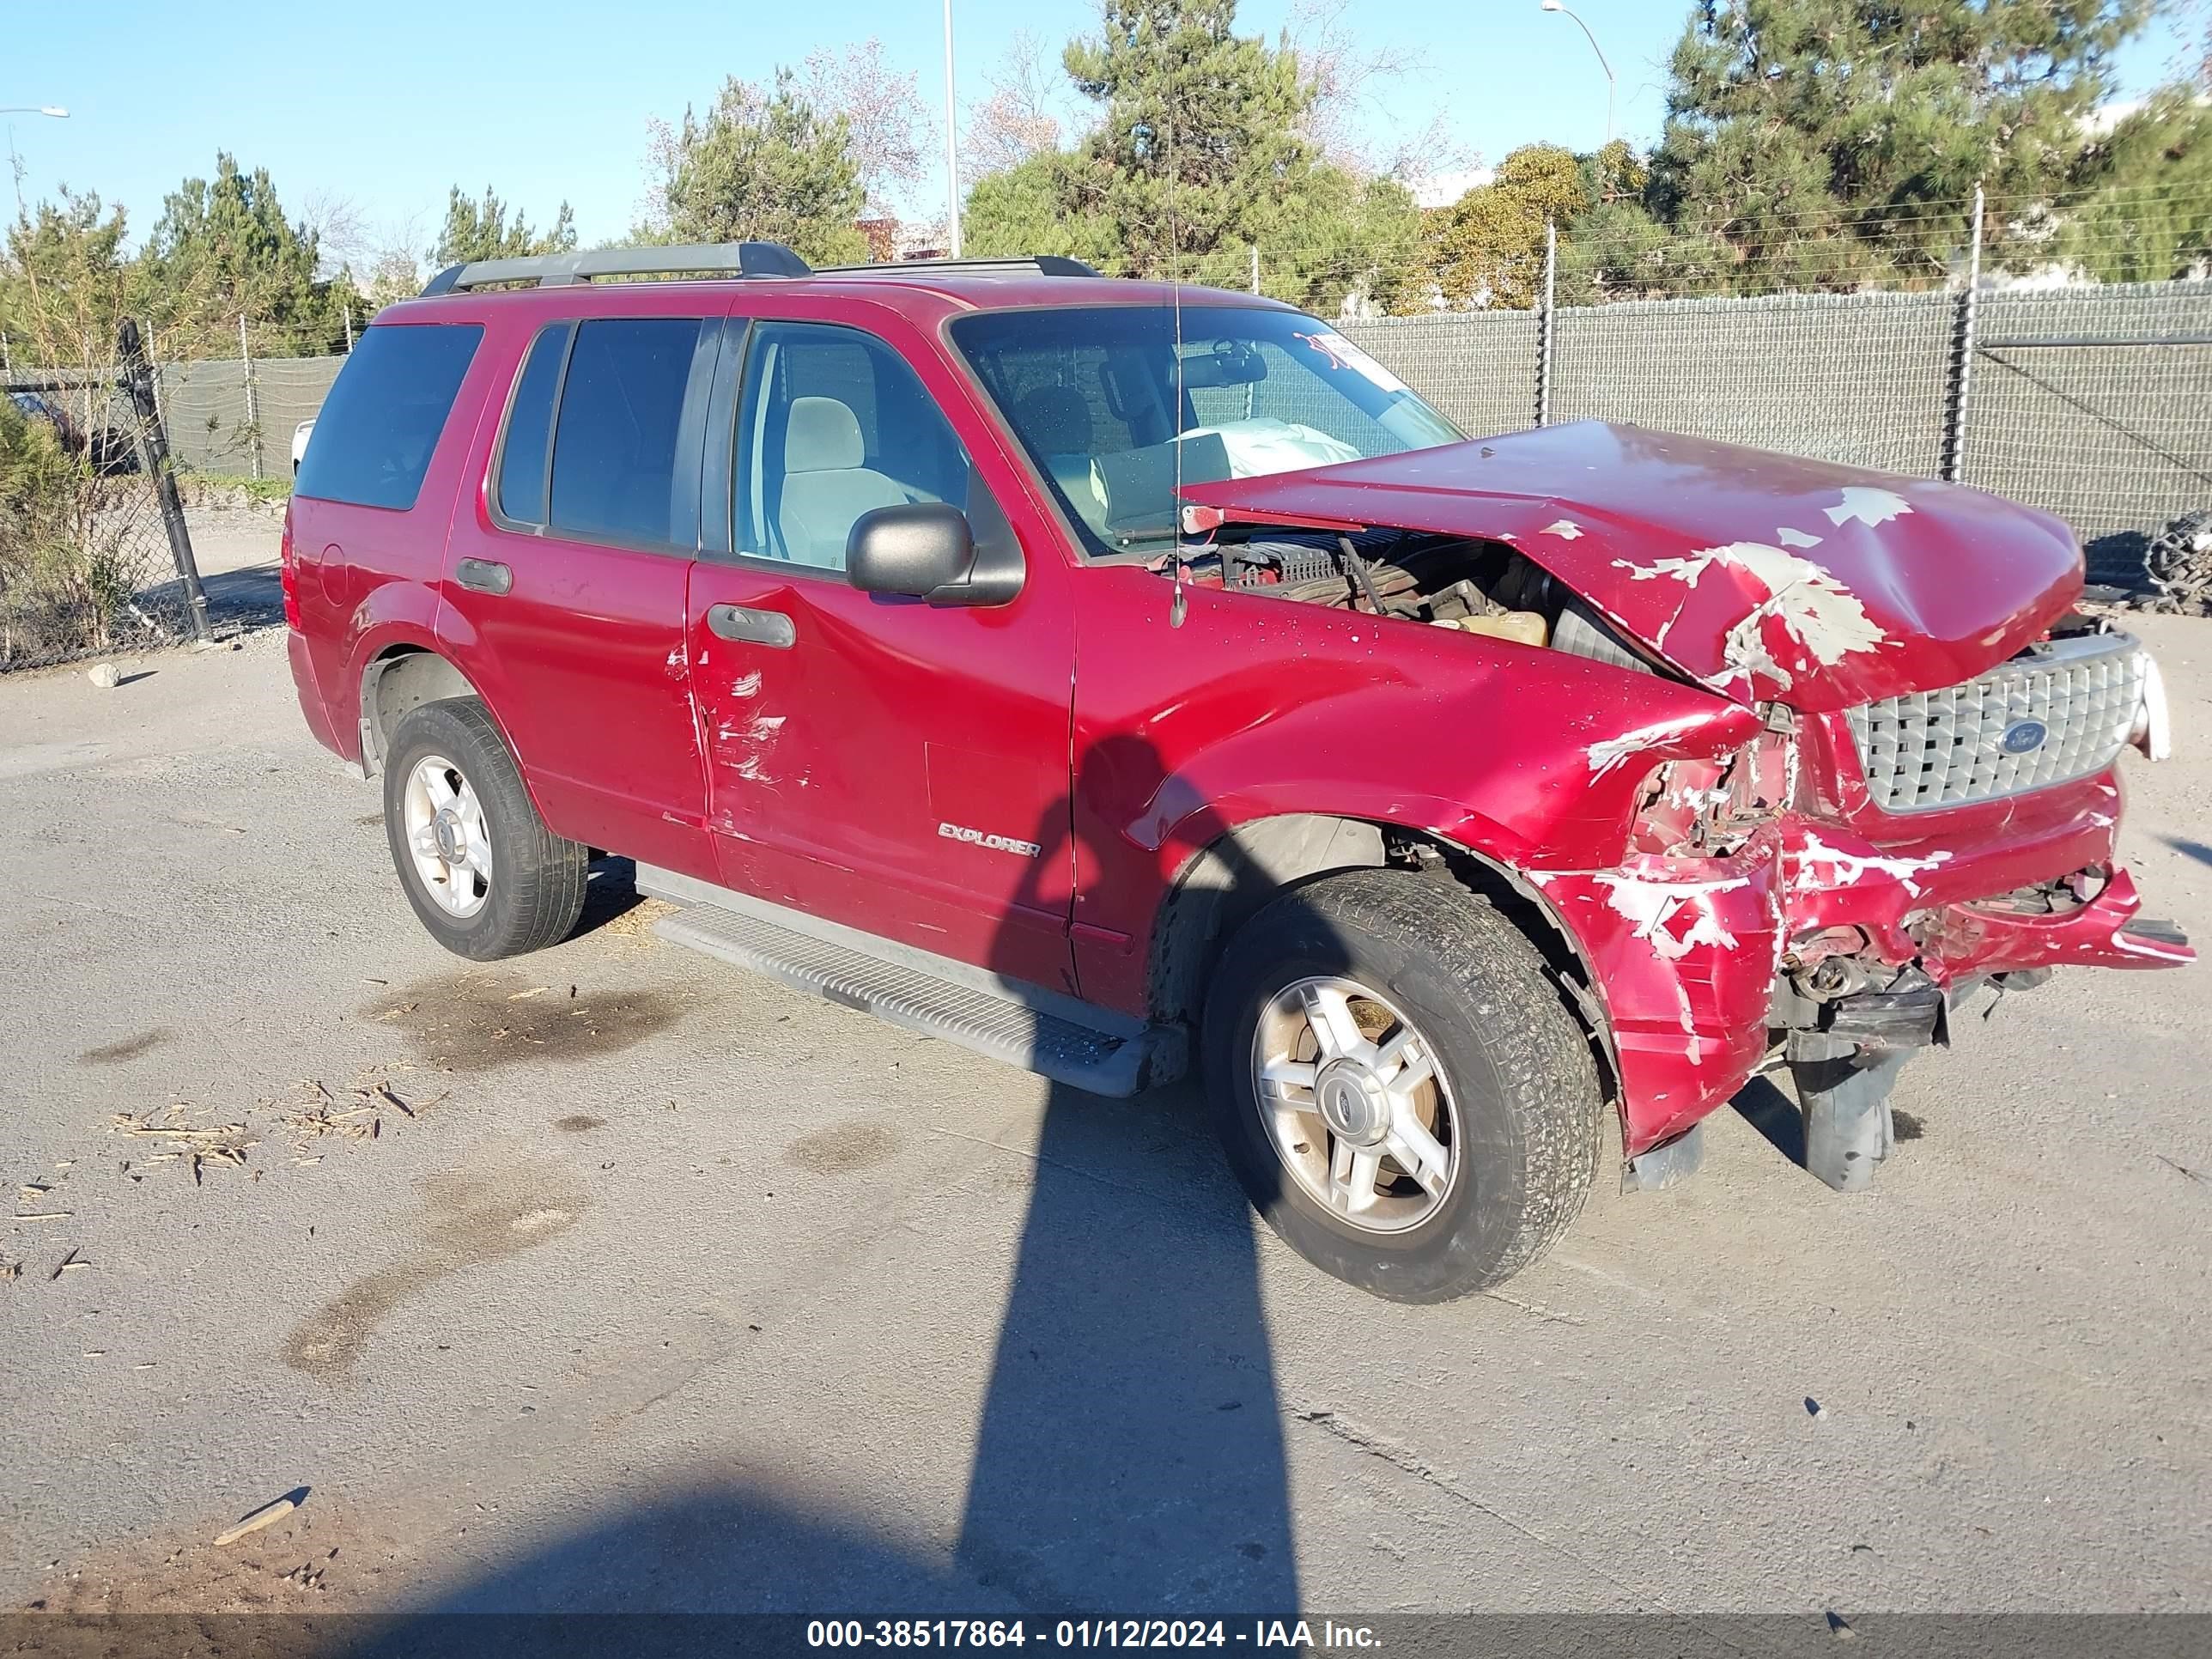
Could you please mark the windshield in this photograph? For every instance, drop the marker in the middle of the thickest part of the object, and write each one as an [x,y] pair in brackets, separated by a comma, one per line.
[1092,394]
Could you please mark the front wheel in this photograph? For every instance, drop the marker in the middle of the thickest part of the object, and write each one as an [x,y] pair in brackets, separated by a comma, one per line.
[484,874]
[1398,1086]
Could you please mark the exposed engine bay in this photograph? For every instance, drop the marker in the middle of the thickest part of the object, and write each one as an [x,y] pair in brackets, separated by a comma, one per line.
[1448,581]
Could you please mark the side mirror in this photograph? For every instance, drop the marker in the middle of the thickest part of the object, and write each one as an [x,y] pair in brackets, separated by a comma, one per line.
[928,550]
[913,549]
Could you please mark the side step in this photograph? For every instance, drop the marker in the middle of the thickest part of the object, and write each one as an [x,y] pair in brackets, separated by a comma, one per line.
[1042,1031]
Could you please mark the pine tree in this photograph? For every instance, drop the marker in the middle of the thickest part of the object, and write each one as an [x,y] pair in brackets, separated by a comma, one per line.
[765,164]
[1200,130]
[2145,212]
[222,249]
[1831,143]
[1197,156]
[64,282]
[482,230]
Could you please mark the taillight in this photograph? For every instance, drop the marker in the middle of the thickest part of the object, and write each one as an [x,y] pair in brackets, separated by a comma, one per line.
[288,572]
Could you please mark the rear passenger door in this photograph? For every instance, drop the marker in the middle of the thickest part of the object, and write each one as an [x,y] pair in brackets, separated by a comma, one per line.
[565,586]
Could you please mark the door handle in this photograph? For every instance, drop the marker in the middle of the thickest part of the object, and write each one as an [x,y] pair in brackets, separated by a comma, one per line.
[484,576]
[738,621]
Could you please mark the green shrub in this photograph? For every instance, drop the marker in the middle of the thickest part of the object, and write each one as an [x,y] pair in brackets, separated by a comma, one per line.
[208,489]
[66,573]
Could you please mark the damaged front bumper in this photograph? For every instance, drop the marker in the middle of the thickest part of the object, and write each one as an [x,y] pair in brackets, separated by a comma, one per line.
[1810,936]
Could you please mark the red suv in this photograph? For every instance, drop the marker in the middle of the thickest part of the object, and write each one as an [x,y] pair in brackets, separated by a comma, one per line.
[1117,679]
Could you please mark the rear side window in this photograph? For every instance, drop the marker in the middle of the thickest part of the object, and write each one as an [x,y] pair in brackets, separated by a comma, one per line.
[376,432]
[529,441]
[616,437]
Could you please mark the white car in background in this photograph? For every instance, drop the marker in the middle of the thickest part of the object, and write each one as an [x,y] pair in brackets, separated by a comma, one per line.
[300,444]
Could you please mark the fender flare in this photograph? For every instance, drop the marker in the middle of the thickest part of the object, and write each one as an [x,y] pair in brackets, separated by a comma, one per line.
[390,689]
[1229,878]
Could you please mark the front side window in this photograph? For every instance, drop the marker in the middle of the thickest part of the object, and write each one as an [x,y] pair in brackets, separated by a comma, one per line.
[1112,404]
[834,423]
[376,432]
[618,475]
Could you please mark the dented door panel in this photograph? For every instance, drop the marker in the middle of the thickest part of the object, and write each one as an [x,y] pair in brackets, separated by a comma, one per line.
[836,764]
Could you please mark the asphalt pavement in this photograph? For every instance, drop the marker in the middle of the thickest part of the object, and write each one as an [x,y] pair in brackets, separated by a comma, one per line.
[613,1279]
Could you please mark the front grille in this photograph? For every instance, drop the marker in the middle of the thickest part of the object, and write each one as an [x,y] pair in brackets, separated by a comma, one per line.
[1946,748]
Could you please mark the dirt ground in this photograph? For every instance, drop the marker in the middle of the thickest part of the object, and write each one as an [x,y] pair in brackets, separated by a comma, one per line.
[611,1278]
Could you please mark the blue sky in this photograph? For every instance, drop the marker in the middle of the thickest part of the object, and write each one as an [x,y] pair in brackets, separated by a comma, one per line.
[550,100]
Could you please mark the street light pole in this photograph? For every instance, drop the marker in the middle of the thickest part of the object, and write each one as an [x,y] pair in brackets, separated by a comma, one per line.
[1555,5]
[952,141]
[54,110]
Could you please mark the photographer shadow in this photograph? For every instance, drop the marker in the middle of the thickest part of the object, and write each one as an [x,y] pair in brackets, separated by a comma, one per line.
[1128,1454]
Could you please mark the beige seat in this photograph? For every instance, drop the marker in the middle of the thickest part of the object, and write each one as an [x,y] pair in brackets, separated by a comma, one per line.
[825,486]
[1056,419]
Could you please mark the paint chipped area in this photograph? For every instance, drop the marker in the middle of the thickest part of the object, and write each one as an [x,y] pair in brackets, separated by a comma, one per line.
[1683,951]
[1565,529]
[1607,753]
[1675,916]
[743,749]
[1815,864]
[1862,504]
[2154,950]
[1821,621]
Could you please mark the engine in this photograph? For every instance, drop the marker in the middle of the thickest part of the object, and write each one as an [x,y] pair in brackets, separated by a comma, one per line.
[1475,586]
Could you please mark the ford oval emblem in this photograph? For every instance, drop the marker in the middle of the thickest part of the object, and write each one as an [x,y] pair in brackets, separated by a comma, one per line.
[2023,736]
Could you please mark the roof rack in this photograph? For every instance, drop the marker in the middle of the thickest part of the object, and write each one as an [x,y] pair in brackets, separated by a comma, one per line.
[1041,264]
[561,270]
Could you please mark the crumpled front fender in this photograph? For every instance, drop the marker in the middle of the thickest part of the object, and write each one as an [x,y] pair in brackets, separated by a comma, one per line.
[1682,952]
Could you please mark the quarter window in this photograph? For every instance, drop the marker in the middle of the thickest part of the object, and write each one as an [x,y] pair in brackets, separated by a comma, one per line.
[377,430]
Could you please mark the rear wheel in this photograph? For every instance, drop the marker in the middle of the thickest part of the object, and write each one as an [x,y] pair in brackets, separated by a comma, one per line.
[1398,1086]
[484,874]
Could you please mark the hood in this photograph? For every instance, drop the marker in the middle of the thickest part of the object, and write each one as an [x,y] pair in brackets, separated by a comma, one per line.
[1763,577]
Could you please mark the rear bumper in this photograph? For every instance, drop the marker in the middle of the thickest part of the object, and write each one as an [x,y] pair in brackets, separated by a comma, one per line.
[1686,954]
[315,711]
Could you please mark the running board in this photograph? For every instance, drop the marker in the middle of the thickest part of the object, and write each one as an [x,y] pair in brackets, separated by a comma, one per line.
[1054,1036]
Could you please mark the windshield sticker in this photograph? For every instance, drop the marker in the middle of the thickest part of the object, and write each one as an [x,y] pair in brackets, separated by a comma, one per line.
[1342,354]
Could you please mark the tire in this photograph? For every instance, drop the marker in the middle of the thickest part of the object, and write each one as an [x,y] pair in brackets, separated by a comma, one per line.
[531,889]
[1513,1105]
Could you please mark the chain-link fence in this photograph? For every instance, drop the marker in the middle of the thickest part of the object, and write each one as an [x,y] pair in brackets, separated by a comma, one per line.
[236,416]
[2093,402]
[1860,378]
[2089,401]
